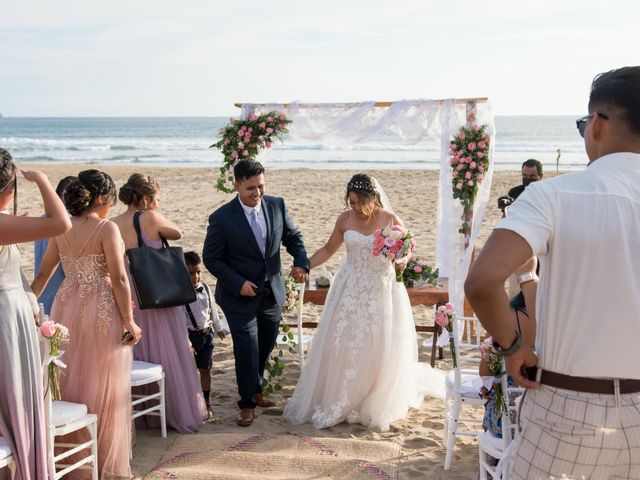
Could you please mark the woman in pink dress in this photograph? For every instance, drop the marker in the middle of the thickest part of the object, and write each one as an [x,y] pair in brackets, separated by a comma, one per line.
[166,339]
[22,421]
[94,303]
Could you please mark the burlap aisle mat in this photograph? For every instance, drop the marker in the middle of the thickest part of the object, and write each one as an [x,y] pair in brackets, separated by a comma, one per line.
[282,457]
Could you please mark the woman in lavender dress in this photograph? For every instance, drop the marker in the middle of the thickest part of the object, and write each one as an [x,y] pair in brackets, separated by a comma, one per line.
[166,340]
[21,396]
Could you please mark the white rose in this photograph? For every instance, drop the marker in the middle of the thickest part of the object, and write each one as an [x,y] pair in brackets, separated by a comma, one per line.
[396,235]
[386,232]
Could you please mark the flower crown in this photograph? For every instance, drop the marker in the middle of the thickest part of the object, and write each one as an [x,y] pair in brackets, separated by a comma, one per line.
[360,185]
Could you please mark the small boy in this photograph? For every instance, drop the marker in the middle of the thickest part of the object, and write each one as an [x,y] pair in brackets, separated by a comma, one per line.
[202,320]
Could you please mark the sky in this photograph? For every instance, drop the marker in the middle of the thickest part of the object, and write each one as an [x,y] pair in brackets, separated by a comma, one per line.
[198,57]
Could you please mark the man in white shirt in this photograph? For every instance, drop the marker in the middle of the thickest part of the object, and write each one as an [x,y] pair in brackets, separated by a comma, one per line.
[581,415]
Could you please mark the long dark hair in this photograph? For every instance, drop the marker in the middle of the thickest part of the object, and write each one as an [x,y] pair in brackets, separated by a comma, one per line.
[8,175]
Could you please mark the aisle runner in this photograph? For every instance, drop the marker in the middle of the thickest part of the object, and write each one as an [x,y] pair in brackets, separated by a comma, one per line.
[251,457]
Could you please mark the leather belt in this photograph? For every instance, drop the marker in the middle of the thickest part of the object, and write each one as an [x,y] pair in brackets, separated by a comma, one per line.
[588,385]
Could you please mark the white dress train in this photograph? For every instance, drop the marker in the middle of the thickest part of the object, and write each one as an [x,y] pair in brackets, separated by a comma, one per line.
[363,367]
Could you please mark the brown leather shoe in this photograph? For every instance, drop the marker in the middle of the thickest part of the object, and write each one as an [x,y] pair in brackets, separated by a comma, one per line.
[263,402]
[245,417]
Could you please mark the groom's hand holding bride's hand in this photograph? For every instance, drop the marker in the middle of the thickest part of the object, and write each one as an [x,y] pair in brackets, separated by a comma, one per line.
[299,274]
[248,289]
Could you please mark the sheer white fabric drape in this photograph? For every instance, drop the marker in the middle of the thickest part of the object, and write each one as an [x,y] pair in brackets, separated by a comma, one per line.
[411,120]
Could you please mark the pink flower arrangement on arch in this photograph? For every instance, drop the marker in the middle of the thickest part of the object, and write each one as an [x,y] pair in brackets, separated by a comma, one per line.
[469,152]
[244,138]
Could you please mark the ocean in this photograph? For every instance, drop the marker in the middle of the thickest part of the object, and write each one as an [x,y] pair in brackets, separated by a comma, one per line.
[184,142]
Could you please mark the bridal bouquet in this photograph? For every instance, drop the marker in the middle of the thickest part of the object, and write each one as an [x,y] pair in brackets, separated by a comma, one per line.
[444,318]
[56,335]
[494,363]
[395,243]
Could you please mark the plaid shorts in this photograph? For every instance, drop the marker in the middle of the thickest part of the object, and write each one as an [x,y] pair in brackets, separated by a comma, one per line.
[566,434]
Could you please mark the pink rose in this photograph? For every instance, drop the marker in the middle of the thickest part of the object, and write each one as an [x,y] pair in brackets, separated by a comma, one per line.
[471,147]
[462,136]
[467,175]
[458,155]
[459,167]
[459,186]
[249,129]
[283,116]
[486,139]
[48,329]
[473,164]
[269,119]
[480,155]
[240,133]
[262,125]
[470,183]
[395,249]
[454,161]
[479,178]
[226,142]
[389,242]
[376,253]
[449,308]
[442,319]
[268,144]
[269,130]
[468,159]
[247,137]
[417,269]
[234,154]
[245,153]
[481,144]
[281,126]
[481,168]
[253,117]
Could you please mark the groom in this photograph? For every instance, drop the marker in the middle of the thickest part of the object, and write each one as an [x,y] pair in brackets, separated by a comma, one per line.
[242,250]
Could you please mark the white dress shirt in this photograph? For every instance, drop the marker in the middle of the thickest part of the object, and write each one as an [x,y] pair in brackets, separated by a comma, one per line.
[585,229]
[262,222]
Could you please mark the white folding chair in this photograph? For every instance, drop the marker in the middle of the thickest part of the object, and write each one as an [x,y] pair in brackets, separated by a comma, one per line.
[6,457]
[300,340]
[462,384]
[145,373]
[490,446]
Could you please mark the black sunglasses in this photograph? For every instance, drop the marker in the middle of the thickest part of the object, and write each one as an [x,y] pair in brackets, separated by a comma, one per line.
[581,123]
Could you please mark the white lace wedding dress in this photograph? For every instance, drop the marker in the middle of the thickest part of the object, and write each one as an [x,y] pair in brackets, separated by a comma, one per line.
[363,367]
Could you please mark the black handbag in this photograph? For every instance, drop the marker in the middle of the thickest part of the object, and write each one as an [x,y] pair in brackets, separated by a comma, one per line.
[160,276]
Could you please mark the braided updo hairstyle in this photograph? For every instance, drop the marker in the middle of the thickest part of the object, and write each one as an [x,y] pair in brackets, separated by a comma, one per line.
[8,176]
[363,186]
[137,187]
[83,193]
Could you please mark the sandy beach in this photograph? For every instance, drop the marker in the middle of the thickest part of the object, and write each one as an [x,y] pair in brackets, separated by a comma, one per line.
[314,199]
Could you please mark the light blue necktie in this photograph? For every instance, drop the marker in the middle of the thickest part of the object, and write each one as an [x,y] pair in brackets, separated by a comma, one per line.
[255,226]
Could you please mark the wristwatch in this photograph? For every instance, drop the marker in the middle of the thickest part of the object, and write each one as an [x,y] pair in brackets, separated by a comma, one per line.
[513,348]
[527,277]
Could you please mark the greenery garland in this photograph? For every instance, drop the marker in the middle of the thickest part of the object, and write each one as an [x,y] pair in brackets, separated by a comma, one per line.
[244,138]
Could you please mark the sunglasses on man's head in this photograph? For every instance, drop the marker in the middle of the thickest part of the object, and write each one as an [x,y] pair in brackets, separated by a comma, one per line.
[581,123]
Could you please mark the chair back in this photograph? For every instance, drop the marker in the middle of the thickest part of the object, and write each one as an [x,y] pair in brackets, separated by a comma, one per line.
[508,428]
[467,333]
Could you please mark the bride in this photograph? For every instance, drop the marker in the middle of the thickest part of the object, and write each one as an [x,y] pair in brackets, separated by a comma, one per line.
[363,366]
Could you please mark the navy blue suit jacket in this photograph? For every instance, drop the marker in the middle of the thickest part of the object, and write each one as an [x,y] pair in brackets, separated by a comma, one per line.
[232,255]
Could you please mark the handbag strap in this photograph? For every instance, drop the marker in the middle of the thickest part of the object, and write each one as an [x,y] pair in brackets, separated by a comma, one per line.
[136,225]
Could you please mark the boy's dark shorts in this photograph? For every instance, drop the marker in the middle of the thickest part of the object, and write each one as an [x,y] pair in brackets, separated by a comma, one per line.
[202,343]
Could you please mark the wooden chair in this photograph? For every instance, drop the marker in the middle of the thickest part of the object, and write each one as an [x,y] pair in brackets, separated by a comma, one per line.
[6,458]
[462,384]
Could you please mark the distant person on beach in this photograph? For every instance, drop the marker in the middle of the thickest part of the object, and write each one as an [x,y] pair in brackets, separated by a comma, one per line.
[22,416]
[531,172]
[94,303]
[242,250]
[40,246]
[202,322]
[165,341]
[581,415]
[363,367]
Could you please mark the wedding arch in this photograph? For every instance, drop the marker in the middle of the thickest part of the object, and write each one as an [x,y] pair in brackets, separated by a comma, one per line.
[411,120]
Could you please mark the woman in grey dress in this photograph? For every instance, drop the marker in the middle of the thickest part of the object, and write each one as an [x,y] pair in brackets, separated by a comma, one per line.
[21,396]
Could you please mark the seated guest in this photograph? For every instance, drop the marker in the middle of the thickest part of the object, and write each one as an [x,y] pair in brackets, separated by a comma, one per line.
[22,420]
[165,341]
[202,321]
[40,246]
